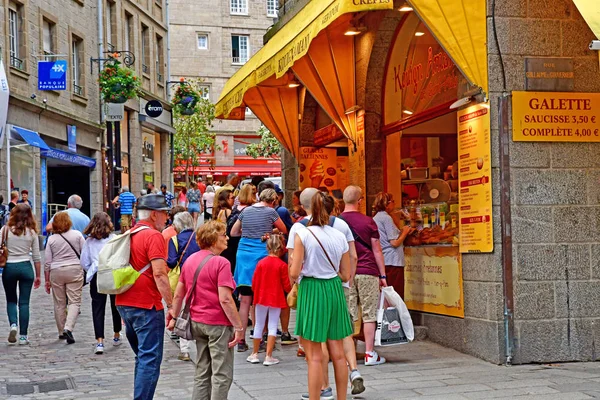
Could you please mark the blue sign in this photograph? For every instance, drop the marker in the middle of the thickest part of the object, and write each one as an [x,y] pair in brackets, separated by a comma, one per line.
[72,138]
[52,75]
[69,157]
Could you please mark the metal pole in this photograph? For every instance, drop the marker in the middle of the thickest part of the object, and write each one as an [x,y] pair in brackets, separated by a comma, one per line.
[111,175]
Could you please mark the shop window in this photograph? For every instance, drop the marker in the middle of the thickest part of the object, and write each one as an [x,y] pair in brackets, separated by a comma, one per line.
[145,49]
[202,41]
[77,66]
[110,26]
[17,40]
[160,60]
[240,49]
[272,8]
[239,7]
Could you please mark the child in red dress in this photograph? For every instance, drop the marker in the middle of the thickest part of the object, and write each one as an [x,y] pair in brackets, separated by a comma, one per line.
[269,283]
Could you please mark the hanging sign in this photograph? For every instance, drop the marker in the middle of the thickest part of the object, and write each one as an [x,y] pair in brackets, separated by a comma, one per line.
[4,96]
[556,117]
[327,135]
[72,138]
[52,75]
[475,182]
[114,112]
[154,108]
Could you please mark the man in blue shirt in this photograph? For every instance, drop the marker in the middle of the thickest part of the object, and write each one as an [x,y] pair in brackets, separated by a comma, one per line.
[127,202]
[79,219]
[168,195]
[24,198]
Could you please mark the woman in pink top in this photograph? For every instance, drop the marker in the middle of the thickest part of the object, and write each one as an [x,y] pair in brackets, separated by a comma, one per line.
[215,319]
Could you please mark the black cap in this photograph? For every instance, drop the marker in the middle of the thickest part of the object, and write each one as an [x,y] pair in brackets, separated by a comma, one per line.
[155,202]
[163,186]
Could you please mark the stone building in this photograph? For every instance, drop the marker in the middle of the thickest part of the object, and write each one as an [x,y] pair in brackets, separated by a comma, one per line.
[526,287]
[211,46]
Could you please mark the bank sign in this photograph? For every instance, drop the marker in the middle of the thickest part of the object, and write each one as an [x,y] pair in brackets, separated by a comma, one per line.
[52,75]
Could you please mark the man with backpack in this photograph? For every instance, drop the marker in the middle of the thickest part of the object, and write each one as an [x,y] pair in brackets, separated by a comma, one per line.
[141,306]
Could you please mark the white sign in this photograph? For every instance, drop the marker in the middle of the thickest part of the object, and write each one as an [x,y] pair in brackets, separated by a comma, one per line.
[114,112]
[4,95]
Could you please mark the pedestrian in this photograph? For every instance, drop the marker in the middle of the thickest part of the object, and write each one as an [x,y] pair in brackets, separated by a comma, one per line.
[370,270]
[283,212]
[222,210]
[299,212]
[246,198]
[270,283]
[182,197]
[254,223]
[79,220]
[25,198]
[14,199]
[126,202]
[321,262]
[180,248]
[4,212]
[216,325]
[99,232]
[63,274]
[141,306]
[168,195]
[193,201]
[170,231]
[392,240]
[208,199]
[232,182]
[21,239]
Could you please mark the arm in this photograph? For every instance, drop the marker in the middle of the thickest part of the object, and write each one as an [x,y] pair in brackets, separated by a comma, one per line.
[298,259]
[228,305]
[236,230]
[345,267]
[115,199]
[49,227]
[159,270]
[280,225]
[285,278]
[86,260]
[353,259]
[400,240]
[176,306]
[376,245]
[47,262]
[173,254]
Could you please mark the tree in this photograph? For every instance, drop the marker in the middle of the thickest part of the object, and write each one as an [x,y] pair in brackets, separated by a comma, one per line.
[268,146]
[194,141]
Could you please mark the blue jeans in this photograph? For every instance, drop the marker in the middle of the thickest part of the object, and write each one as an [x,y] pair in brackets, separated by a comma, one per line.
[144,330]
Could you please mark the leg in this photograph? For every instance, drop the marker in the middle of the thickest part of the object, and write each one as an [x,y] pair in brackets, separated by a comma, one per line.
[149,326]
[274,314]
[116,317]
[325,366]
[245,303]
[221,360]
[74,287]
[259,324]
[59,294]
[368,294]
[184,345]
[98,307]
[350,352]
[336,351]
[9,281]
[202,384]
[314,357]
[285,320]
[25,286]
[369,329]
[128,317]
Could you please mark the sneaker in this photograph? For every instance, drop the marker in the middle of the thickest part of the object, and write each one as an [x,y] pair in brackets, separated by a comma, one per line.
[12,335]
[117,341]
[326,394]
[300,352]
[265,337]
[253,358]
[270,361]
[100,348]
[357,382]
[242,346]
[23,340]
[279,332]
[70,337]
[373,359]
[62,336]
[263,346]
[286,338]
[184,357]
[173,336]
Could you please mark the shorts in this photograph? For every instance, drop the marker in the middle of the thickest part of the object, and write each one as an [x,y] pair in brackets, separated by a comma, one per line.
[365,292]
[193,207]
[245,290]
[125,221]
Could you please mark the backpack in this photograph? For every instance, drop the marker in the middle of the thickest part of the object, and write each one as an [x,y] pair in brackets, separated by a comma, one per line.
[304,221]
[4,213]
[115,273]
[232,219]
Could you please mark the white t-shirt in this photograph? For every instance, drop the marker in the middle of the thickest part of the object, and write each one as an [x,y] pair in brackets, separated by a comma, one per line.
[338,224]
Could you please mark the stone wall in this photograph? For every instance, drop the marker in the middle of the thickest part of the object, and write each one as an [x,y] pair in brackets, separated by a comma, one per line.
[554,187]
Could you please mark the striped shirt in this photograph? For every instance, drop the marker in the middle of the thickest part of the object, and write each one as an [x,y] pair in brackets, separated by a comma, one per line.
[388,231]
[257,220]
[127,200]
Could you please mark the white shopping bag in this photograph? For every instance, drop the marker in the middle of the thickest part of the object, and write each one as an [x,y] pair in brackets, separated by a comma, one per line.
[394,325]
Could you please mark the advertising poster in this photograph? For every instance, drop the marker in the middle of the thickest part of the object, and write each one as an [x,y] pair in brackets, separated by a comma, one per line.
[318,168]
[433,280]
[475,182]
[556,117]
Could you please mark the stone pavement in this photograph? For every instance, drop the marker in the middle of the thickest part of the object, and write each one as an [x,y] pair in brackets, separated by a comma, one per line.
[420,370]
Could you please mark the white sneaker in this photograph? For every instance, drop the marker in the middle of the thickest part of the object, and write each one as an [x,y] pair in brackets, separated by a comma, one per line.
[99,348]
[23,341]
[357,382]
[270,361]
[117,341]
[253,358]
[12,335]
[373,359]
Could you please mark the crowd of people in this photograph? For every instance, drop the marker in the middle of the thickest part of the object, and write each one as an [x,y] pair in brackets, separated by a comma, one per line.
[232,254]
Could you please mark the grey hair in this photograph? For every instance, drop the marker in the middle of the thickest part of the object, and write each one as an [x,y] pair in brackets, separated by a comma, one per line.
[143,192]
[268,196]
[183,221]
[75,201]
[231,176]
[210,189]
[125,189]
[144,214]
[306,197]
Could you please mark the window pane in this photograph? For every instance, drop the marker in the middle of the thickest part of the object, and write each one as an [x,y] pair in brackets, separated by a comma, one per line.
[47,34]
[243,48]
[203,42]
[272,8]
[13,33]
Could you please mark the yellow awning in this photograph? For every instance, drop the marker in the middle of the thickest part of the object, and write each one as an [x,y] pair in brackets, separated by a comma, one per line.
[590,11]
[460,27]
[287,46]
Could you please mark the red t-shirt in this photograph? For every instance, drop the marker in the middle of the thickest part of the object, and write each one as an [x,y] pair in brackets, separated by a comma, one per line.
[146,245]
[201,187]
[206,307]
[270,282]
[366,228]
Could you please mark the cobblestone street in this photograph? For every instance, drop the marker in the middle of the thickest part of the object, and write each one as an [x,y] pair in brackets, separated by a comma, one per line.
[420,370]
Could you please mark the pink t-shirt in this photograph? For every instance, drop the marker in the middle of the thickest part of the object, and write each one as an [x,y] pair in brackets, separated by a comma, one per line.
[216,273]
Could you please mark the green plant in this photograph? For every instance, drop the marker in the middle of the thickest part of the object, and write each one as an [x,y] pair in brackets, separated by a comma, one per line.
[268,146]
[185,98]
[117,83]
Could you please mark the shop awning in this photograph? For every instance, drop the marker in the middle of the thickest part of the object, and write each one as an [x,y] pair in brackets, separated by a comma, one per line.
[271,170]
[590,11]
[30,137]
[460,27]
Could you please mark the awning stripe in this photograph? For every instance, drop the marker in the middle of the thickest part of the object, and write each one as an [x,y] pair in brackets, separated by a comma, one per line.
[590,11]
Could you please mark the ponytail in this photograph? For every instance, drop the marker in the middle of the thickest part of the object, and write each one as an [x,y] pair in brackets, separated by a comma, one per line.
[322,205]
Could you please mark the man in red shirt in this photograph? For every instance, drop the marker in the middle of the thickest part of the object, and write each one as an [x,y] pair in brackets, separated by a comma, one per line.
[141,306]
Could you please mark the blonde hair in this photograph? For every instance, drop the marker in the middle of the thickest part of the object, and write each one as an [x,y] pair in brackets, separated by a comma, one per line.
[247,195]
[275,244]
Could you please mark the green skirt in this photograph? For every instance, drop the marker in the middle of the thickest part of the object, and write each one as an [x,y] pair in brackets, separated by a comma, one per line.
[322,312]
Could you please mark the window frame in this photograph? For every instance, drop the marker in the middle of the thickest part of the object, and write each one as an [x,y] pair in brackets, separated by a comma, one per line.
[145,50]
[274,10]
[241,60]
[160,60]
[241,7]
[198,35]
[204,90]
[110,26]
[77,70]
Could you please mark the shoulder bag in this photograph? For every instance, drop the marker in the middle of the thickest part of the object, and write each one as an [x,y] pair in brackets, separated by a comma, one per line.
[183,324]
[4,247]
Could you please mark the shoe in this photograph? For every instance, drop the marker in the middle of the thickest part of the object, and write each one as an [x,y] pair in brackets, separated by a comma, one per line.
[270,361]
[242,346]
[279,332]
[253,358]
[357,382]
[173,336]
[100,348]
[117,341]
[62,336]
[12,335]
[265,337]
[184,357]
[70,337]
[286,339]
[263,346]
[374,359]
[300,352]
[326,394]
[23,341]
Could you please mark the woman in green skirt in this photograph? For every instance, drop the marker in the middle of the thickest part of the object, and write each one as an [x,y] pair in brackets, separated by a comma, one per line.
[321,263]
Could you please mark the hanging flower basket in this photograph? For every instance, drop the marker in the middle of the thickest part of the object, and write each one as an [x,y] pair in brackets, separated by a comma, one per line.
[117,83]
[185,99]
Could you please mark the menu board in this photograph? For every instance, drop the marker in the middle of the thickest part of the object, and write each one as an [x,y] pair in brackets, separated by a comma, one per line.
[318,168]
[556,117]
[475,186]
[433,280]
